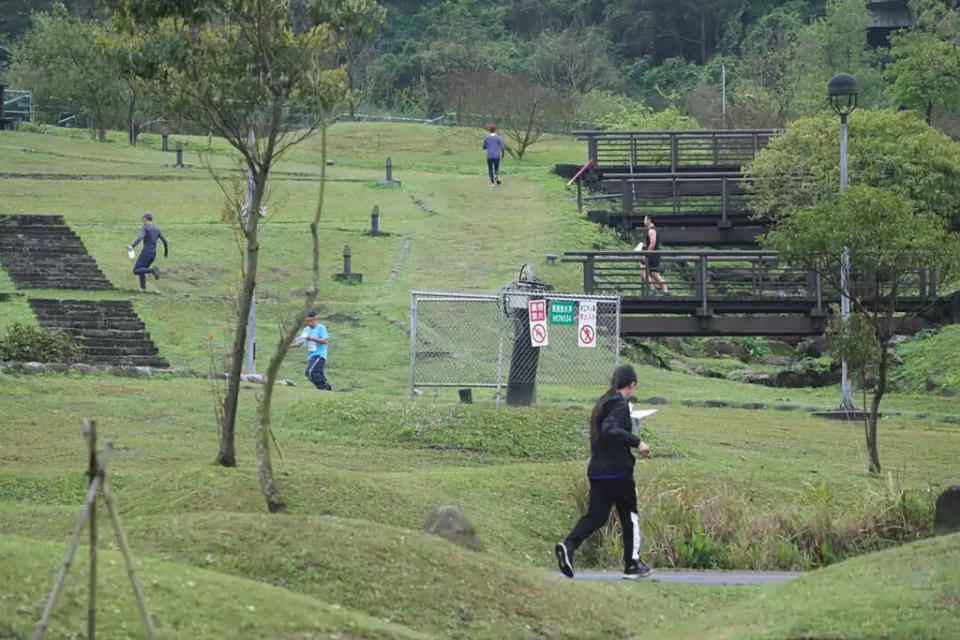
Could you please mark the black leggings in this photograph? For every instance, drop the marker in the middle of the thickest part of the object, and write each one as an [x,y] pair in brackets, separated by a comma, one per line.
[493,168]
[142,268]
[621,492]
[316,375]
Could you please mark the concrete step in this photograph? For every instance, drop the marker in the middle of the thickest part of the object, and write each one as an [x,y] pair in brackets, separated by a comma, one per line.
[21,220]
[130,360]
[120,351]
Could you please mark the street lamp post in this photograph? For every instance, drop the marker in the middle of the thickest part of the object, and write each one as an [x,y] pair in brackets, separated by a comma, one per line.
[842,91]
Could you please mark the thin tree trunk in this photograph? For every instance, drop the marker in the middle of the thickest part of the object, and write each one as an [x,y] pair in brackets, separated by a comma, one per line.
[131,127]
[929,112]
[872,449]
[268,484]
[227,455]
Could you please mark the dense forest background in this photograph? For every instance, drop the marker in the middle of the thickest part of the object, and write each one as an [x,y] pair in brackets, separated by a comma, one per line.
[638,63]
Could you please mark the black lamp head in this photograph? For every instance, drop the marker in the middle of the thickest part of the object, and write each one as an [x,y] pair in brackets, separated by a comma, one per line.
[842,91]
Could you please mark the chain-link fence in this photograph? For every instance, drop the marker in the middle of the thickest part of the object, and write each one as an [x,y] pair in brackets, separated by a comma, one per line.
[465,340]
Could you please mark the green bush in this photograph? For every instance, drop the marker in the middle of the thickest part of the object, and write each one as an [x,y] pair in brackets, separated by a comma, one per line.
[33,344]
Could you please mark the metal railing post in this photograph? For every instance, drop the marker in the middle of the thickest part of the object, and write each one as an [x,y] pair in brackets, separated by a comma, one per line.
[674,152]
[933,283]
[413,341]
[923,282]
[592,149]
[626,198]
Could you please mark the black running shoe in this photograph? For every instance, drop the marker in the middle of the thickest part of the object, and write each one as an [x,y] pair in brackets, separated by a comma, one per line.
[564,559]
[637,570]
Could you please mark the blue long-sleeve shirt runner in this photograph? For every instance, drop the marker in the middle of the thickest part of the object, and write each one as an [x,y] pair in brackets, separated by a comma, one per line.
[495,146]
[149,234]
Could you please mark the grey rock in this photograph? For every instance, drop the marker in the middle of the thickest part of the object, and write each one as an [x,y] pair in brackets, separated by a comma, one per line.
[449,523]
[946,393]
[33,367]
[720,347]
[655,400]
[778,361]
[84,369]
[785,407]
[950,419]
[714,404]
[946,519]
[253,377]
[681,366]
[688,402]
[779,348]
[922,416]
[931,384]
[814,347]
[752,377]
[754,406]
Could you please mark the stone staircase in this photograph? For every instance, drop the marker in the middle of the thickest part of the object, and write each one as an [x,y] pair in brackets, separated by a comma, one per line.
[42,252]
[109,331]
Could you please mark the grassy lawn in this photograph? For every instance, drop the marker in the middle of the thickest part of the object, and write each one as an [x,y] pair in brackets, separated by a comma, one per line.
[361,467]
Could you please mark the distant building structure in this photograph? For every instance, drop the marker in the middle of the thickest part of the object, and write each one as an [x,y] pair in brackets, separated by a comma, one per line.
[887,16]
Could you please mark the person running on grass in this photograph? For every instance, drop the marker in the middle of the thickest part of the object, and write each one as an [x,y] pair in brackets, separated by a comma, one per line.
[495,147]
[315,336]
[610,472]
[651,242]
[149,234]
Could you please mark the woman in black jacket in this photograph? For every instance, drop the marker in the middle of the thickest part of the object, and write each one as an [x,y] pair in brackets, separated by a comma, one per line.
[610,471]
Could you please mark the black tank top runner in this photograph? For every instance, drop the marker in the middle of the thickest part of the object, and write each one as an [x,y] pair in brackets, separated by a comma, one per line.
[652,244]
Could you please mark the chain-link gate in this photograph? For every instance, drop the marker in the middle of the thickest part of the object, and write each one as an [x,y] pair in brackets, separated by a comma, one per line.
[467,340]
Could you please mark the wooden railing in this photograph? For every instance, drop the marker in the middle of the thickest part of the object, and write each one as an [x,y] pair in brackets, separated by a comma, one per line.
[718,194]
[724,282]
[674,150]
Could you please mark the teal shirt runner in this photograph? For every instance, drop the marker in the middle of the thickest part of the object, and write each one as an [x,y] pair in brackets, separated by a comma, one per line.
[314,349]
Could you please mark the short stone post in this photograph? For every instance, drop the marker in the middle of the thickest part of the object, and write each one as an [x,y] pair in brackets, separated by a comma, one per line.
[375,221]
[179,164]
[347,275]
[165,141]
[389,181]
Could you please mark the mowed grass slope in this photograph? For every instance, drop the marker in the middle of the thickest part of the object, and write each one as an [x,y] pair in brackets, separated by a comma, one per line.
[770,489]
[360,474]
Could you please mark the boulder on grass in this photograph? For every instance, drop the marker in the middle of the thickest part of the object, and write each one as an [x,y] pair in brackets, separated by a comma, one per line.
[947,517]
[449,523]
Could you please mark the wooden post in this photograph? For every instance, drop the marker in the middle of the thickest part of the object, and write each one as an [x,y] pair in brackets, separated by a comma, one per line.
[90,433]
[128,559]
[588,267]
[72,542]
[702,267]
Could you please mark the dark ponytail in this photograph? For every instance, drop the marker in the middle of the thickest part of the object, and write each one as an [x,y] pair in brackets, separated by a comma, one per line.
[623,376]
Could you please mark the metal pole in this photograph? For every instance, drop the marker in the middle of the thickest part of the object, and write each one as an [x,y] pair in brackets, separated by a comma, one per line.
[500,365]
[252,316]
[847,402]
[413,341]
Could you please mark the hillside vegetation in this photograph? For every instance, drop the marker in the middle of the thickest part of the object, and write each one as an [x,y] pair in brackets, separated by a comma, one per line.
[360,468]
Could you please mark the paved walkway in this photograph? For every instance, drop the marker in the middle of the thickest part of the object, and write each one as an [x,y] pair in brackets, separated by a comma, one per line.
[697,577]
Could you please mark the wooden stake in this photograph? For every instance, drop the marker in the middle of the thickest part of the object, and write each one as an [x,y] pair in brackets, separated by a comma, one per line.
[90,433]
[44,623]
[128,560]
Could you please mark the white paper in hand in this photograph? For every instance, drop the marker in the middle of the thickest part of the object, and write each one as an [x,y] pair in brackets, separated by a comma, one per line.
[131,253]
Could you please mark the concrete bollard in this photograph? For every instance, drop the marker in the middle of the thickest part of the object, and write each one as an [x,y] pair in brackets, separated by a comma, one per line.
[165,141]
[179,164]
[389,181]
[375,221]
[347,275]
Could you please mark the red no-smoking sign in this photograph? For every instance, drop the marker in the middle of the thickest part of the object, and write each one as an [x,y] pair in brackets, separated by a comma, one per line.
[586,334]
[538,323]
[587,324]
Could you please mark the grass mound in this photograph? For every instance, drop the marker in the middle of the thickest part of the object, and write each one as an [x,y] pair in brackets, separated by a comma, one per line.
[912,591]
[184,601]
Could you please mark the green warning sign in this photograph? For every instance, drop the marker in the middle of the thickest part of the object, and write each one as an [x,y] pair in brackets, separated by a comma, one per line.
[561,312]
